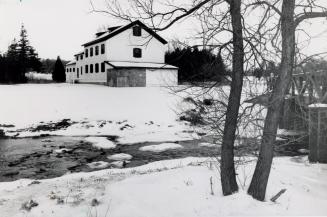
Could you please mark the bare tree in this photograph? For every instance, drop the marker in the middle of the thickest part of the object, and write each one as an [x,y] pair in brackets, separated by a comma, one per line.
[228,177]
[161,20]
[289,22]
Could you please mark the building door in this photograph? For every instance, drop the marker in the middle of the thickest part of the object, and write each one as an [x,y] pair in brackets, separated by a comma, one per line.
[122,81]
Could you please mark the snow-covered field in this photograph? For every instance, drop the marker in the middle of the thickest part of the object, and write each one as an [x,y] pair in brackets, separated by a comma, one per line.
[133,114]
[178,187]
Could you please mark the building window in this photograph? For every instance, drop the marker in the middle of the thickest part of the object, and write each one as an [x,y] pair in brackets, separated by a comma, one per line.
[103,67]
[86,53]
[73,69]
[137,31]
[77,70]
[137,52]
[96,67]
[86,69]
[81,70]
[81,56]
[91,52]
[103,49]
[91,68]
[67,70]
[96,50]
[76,57]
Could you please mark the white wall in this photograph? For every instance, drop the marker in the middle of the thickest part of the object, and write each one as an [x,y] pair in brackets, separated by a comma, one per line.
[161,77]
[121,47]
[93,77]
[70,75]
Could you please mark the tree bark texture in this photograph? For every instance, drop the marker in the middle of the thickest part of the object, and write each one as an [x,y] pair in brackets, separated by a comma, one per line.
[260,177]
[228,175]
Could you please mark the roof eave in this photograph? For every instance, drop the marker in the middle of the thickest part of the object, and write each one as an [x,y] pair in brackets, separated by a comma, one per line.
[122,29]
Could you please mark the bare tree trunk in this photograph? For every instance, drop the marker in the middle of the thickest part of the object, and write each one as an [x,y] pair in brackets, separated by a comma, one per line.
[261,174]
[228,176]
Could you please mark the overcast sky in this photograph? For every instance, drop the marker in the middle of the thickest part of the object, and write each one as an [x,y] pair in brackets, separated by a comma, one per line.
[59,27]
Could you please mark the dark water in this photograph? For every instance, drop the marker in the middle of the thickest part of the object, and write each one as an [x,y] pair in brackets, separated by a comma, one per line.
[35,157]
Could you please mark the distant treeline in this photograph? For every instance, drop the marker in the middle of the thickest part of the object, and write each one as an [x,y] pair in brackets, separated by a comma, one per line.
[196,65]
[48,65]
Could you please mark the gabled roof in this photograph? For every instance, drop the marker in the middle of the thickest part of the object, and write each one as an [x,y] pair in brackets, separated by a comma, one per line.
[71,63]
[119,30]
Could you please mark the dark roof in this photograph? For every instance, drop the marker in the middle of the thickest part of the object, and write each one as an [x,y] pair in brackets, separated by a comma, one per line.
[113,28]
[98,34]
[119,30]
[82,52]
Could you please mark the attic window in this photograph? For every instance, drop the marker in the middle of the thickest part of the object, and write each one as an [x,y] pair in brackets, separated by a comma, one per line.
[137,52]
[137,31]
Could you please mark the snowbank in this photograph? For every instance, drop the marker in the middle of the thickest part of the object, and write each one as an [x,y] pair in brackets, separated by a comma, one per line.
[101,142]
[207,144]
[120,157]
[184,191]
[161,147]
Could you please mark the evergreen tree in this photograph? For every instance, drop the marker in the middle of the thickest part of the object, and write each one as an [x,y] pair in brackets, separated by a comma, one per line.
[58,73]
[11,67]
[19,59]
[28,57]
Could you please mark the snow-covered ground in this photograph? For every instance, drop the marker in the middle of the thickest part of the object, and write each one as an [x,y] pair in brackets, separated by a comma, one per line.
[27,104]
[178,187]
[133,114]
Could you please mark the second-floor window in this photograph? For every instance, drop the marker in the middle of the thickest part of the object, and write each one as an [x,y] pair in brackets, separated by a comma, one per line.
[86,53]
[86,69]
[137,31]
[91,52]
[81,70]
[96,50]
[103,48]
[137,52]
[81,56]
